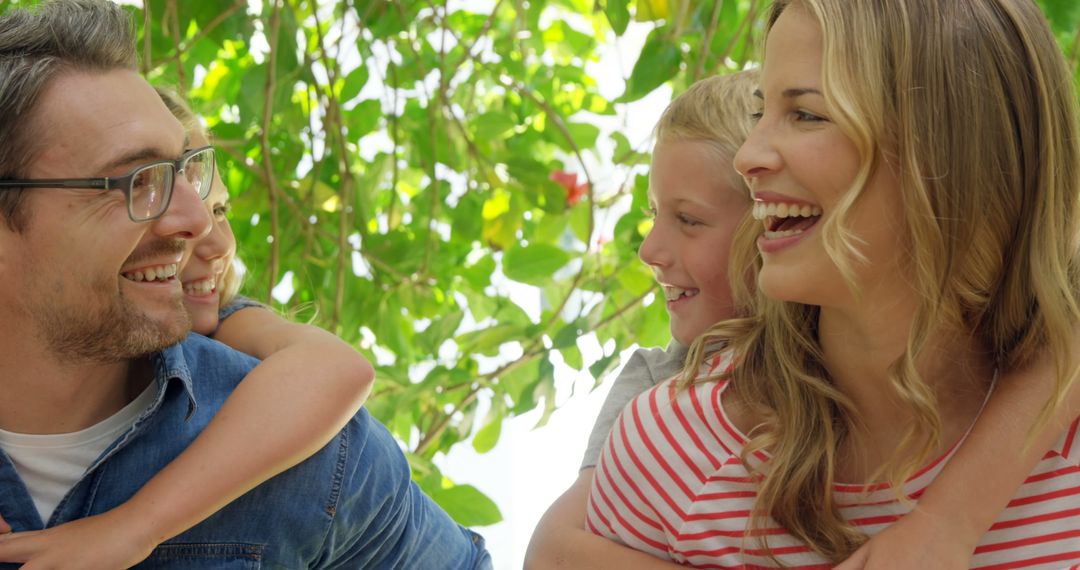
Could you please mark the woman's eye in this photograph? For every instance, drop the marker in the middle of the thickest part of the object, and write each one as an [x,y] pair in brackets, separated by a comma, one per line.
[804,116]
[756,116]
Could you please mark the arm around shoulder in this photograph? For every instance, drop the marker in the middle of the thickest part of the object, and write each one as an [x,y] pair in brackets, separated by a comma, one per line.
[561,540]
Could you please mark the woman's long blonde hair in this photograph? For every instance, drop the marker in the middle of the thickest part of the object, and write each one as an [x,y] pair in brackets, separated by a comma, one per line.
[972,104]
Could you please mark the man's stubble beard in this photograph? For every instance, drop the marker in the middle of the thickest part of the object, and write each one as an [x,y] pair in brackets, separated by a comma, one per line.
[116,331]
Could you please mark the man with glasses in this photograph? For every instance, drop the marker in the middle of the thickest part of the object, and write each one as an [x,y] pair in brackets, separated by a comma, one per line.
[100,385]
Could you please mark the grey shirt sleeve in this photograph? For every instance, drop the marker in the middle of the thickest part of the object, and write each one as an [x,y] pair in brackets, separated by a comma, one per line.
[647,367]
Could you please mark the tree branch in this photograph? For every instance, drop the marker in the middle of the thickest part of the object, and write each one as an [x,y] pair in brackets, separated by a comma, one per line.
[264,143]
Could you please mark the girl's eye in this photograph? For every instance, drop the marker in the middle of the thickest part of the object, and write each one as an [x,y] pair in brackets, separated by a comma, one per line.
[649,213]
[756,116]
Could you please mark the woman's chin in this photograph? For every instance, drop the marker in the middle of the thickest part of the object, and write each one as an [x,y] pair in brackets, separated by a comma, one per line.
[203,322]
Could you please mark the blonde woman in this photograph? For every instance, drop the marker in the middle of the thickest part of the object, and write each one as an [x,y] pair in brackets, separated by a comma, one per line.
[914,170]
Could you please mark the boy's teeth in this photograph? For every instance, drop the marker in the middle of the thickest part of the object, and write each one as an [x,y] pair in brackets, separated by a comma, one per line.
[764,210]
[159,273]
[675,293]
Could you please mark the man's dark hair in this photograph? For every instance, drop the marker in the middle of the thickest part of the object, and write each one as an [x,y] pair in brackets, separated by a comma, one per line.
[36,46]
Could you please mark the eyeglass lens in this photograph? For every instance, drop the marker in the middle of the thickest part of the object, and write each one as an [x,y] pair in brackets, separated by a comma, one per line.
[150,190]
[151,187]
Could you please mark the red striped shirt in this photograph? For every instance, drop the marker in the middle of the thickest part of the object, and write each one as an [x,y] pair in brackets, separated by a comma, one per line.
[670,482]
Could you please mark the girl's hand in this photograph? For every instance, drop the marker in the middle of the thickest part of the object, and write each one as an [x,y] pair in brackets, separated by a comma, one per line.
[917,540]
[101,542]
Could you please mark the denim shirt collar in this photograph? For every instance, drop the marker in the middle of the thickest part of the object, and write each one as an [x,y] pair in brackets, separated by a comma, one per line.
[170,364]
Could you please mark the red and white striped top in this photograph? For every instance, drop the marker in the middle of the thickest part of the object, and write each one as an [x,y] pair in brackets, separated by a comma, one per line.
[670,483]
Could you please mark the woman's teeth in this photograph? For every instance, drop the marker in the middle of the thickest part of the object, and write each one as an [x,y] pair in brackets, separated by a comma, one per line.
[676,293]
[200,288]
[764,210]
[159,273]
[785,220]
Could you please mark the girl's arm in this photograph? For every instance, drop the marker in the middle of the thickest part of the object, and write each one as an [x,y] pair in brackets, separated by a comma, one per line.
[308,386]
[976,485]
[562,541]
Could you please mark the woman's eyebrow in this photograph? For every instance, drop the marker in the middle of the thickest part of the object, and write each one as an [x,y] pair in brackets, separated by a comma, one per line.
[791,92]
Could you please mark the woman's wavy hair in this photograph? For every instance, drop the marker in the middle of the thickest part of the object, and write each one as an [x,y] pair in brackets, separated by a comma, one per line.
[972,104]
[232,277]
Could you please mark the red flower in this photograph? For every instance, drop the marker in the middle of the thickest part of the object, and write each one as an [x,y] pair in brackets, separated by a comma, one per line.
[575,190]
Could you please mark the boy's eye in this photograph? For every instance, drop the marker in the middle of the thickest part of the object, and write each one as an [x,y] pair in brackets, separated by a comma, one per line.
[688,221]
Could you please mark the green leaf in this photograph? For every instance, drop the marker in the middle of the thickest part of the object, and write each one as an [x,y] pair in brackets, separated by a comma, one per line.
[618,14]
[363,118]
[650,10]
[486,438]
[572,357]
[583,134]
[467,505]
[1064,15]
[533,264]
[354,83]
[658,62]
[494,125]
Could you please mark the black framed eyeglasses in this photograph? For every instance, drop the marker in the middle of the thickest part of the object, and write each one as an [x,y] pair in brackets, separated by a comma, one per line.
[148,188]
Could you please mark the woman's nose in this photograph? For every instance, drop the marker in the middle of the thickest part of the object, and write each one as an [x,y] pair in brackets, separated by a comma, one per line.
[757,155]
[213,245]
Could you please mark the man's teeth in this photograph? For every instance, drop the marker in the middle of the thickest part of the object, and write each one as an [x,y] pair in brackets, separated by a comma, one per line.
[676,293]
[199,288]
[764,210]
[159,273]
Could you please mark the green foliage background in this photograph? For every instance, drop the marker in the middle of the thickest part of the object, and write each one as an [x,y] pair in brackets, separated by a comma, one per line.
[438,184]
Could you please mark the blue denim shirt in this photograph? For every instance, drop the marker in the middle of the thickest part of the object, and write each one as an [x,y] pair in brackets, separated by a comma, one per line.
[352,505]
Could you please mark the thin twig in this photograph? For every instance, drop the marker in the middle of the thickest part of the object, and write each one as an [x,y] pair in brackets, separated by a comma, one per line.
[706,45]
[147,37]
[437,430]
[174,17]
[264,141]
[333,118]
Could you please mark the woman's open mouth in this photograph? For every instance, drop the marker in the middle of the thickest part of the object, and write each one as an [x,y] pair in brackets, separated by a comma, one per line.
[783,220]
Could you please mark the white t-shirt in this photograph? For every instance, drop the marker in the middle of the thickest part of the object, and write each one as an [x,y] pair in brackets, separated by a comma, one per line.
[50,465]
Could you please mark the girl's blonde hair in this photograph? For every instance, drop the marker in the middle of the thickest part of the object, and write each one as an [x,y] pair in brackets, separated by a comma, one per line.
[972,104]
[231,278]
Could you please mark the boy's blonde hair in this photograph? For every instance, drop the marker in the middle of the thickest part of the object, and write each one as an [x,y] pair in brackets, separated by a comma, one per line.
[231,278]
[715,110]
[972,104]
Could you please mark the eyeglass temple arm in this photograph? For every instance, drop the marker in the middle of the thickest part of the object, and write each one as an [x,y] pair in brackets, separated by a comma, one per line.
[91,183]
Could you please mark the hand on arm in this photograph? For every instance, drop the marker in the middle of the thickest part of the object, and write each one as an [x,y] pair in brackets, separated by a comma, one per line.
[308,386]
[110,541]
[976,485]
[562,541]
